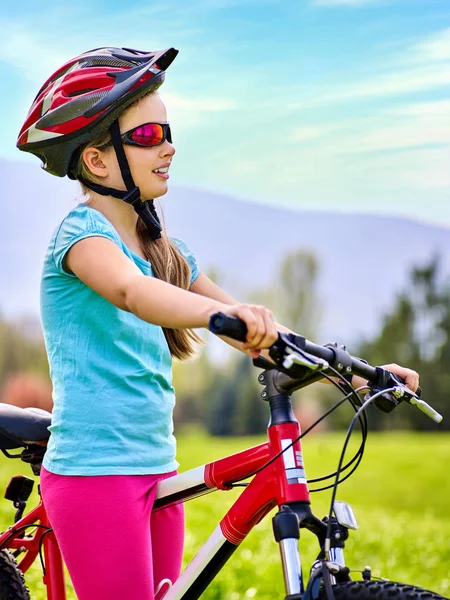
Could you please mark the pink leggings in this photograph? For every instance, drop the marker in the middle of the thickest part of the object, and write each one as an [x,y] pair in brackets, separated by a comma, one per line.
[113,545]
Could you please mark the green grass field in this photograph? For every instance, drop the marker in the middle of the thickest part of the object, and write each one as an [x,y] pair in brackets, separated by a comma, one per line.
[400,494]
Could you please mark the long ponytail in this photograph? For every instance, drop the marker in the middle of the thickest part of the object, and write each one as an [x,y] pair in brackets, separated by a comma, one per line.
[167,263]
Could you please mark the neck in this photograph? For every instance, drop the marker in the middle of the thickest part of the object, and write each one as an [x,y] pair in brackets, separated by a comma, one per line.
[120,214]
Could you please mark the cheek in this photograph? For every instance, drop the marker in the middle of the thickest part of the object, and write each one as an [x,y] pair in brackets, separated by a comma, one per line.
[142,160]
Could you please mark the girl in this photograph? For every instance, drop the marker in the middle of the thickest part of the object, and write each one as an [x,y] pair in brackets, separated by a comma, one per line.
[118,300]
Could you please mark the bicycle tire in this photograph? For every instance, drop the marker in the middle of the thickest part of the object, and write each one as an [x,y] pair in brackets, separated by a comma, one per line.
[12,582]
[380,590]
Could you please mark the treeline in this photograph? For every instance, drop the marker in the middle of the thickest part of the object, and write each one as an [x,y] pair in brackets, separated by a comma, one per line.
[224,396]
[415,333]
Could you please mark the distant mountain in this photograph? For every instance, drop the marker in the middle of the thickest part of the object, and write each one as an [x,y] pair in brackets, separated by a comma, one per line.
[364,259]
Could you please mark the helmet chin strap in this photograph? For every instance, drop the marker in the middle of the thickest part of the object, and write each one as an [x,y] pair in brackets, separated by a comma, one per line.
[146,210]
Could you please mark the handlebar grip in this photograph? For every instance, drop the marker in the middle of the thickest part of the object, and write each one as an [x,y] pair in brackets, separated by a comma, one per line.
[232,327]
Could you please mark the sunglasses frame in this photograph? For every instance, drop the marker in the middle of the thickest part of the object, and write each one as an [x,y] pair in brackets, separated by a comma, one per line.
[127,139]
[167,135]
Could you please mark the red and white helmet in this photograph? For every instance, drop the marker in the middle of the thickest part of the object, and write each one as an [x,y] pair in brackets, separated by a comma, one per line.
[83,98]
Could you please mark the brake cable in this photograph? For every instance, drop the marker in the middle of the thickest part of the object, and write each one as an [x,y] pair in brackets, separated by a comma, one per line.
[363,422]
[341,459]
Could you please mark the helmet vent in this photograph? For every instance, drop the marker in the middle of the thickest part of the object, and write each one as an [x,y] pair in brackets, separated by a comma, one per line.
[80,92]
[72,110]
[105,61]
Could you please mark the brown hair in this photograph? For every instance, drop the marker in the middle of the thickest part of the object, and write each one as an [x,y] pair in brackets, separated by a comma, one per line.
[167,263]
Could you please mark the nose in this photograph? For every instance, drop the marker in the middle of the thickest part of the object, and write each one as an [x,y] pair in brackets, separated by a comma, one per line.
[167,149]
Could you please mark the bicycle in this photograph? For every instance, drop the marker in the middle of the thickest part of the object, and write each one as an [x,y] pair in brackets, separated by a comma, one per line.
[278,479]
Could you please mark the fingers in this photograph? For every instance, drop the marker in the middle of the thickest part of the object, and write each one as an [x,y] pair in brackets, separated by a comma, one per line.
[261,327]
[410,377]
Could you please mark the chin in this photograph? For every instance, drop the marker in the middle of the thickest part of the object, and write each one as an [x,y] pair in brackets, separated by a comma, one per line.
[155,193]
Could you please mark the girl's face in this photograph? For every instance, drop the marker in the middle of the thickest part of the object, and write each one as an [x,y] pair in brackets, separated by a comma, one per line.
[142,161]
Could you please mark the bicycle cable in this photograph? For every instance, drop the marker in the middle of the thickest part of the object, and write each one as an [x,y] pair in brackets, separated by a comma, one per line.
[363,422]
[353,392]
[41,543]
[326,414]
[356,458]
[363,407]
[23,528]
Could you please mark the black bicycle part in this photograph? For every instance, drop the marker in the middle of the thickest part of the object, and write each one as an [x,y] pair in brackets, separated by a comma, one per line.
[221,324]
[18,491]
[12,582]
[287,346]
[378,590]
[341,460]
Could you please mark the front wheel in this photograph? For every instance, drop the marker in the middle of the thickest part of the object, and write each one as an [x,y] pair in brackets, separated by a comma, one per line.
[12,583]
[379,590]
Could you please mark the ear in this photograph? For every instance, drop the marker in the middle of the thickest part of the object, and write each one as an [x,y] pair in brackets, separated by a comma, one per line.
[95,161]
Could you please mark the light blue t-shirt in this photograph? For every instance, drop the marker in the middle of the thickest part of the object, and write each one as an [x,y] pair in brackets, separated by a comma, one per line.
[111,371]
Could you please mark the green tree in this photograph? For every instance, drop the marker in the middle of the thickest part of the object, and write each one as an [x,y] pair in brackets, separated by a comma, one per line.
[416,335]
[293,294]
[234,398]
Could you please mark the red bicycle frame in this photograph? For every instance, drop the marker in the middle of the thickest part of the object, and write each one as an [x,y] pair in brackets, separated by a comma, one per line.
[54,570]
[279,480]
[283,481]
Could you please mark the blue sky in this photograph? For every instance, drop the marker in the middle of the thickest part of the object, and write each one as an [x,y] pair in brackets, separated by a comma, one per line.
[322,104]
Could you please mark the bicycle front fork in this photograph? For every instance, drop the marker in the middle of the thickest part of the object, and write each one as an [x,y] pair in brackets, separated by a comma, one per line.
[287,533]
[286,526]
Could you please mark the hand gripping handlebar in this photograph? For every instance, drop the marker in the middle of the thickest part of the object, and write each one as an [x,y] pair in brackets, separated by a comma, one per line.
[292,354]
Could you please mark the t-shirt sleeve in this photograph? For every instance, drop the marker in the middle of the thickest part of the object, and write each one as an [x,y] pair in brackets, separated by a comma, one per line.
[74,228]
[185,251]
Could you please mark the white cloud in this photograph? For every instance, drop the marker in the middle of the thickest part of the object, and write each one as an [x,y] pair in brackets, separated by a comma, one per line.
[431,171]
[406,127]
[200,104]
[394,84]
[33,54]
[438,109]
[419,67]
[309,133]
[186,113]
[27,45]
[436,48]
[413,134]
[384,155]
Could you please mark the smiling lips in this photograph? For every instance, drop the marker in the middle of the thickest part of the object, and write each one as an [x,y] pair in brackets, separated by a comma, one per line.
[162,172]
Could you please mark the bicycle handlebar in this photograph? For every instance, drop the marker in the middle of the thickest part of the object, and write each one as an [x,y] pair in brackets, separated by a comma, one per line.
[293,354]
[236,329]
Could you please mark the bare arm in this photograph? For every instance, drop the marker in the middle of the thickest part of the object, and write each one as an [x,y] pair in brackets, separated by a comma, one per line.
[101,265]
[205,287]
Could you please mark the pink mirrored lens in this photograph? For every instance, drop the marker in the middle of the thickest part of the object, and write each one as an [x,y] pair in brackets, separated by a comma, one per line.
[150,134]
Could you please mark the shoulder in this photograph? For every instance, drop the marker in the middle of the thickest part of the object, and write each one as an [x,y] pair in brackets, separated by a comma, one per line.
[187,253]
[181,246]
[85,218]
[81,222]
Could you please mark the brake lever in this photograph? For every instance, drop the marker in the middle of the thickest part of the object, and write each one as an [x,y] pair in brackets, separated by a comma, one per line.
[288,350]
[426,409]
[303,359]
[398,392]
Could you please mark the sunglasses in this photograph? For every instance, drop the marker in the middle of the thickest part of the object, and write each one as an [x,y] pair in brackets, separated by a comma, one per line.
[146,135]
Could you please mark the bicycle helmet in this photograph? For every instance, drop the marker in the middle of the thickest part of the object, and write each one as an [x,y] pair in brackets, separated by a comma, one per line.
[82,101]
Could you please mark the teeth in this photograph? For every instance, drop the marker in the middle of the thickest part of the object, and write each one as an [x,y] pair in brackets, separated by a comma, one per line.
[161,170]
